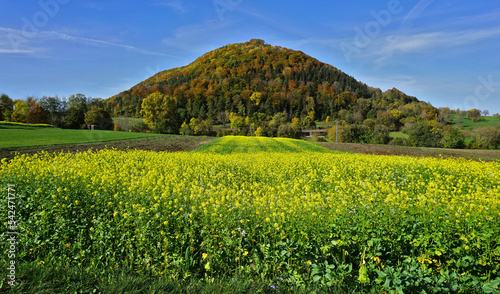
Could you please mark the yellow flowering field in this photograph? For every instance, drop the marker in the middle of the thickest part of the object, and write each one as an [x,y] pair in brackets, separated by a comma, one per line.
[294,211]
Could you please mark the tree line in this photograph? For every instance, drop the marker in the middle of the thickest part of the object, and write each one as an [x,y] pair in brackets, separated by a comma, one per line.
[75,112]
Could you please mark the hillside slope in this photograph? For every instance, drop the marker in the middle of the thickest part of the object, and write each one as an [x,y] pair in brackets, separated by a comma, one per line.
[254,77]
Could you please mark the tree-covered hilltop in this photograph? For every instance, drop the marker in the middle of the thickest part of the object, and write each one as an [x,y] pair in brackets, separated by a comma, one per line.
[254,78]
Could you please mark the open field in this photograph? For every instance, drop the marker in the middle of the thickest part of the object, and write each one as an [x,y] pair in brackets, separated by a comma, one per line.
[126,123]
[398,135]
[485,121]
[288,220]
[21,135]
[30,139]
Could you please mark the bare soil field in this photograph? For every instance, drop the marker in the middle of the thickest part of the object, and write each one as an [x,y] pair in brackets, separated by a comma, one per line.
[486,155]
[161,143]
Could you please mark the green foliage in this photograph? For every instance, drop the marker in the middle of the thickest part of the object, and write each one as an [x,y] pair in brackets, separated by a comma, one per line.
[453,138]
[488,137]
[54,110]
[379,135]
[20,112]
[6,107]
[332,134]
[185,129]
[75,115]
[424,133]
[100,117]
[353,134]
[286,131]
[161,114]
[237,122]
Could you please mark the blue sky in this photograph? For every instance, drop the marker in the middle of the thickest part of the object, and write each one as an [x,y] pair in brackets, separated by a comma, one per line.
[443,52]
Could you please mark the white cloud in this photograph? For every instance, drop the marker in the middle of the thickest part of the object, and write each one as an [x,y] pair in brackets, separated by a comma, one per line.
[404,44]
[14,39]
[416,12]
[15,51]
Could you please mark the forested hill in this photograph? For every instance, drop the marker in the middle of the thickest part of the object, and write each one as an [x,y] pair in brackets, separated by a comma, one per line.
[255,78]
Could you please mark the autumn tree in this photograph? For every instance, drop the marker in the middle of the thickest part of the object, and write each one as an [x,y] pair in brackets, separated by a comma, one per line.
[237,122]
[160,113]
[20,112]
[36,114]
[474,114]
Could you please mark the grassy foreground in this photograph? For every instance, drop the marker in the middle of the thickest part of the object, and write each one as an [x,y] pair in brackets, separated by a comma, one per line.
[223,220]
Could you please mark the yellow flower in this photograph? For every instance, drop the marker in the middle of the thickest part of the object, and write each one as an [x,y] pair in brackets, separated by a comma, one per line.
[76,202]
[204,255]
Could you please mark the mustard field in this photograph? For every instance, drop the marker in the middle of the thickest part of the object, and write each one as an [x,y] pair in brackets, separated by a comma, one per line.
[293,213]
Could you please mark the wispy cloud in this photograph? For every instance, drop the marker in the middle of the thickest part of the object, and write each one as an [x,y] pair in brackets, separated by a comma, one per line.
[176,5]
[15,51]
[13,39]
[404,44]
[416,12]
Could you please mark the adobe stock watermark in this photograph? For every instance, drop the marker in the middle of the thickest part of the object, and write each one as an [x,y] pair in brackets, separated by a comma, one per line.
[372,29]
[12,235]
[31,26]
[223,6]
[483,91]
[152,71]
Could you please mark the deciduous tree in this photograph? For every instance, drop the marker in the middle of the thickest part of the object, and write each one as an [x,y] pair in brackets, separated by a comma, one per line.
[160,113]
